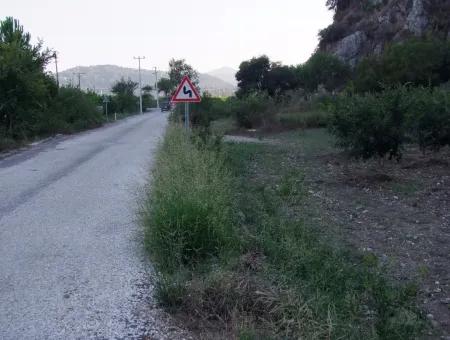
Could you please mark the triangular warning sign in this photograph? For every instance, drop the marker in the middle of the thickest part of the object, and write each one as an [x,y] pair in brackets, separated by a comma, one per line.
[186,92]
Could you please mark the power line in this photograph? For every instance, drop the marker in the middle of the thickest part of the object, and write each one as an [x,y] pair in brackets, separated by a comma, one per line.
[140,81]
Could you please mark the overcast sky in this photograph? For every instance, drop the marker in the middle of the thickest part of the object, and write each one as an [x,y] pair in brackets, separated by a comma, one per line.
[209,34]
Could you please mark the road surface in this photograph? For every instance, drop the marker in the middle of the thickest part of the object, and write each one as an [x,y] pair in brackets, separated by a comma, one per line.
[72,264]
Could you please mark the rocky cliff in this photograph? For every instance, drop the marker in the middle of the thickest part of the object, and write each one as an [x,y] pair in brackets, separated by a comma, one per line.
[364,27]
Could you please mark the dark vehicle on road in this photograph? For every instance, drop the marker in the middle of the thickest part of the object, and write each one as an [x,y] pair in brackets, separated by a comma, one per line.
[166,106]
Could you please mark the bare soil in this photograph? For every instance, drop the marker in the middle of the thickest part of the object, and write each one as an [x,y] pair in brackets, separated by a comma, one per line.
[399,211]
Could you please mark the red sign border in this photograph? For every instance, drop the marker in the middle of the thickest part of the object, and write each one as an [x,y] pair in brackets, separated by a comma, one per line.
[194,100]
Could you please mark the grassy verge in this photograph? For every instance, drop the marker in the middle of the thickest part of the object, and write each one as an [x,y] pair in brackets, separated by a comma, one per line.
[237,256]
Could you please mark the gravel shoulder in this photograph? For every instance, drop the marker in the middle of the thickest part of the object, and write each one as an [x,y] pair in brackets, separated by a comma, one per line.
[72,262]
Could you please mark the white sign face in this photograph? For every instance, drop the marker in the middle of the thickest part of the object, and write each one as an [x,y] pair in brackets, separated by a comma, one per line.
[186,92]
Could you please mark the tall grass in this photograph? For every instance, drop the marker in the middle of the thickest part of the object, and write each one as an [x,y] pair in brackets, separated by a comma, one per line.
[259,268]
[188,214]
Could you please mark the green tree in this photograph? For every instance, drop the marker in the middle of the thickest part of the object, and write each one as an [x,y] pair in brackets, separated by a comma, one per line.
[147,97]
[323,69]
[165,85]
[252,75]
[178,69]
[25,89]
[124,98]
[280,79]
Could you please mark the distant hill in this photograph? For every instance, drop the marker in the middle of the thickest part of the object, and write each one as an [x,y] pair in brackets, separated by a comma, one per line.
[100,78]
[227,74]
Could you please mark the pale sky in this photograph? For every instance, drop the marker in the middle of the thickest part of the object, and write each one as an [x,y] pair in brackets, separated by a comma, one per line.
[207,33]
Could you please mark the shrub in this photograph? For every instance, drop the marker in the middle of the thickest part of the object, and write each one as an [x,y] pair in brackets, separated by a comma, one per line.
[416,61]
[370,125]
[323,69]
[428,117]
[71,110]
[252,110]
[188,213]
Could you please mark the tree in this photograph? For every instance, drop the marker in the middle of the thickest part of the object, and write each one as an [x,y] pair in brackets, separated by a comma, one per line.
[165,85]
[25,89]
[280,79]
[125,100]
[252,75]
[323,69]
[147,97]
[178,69]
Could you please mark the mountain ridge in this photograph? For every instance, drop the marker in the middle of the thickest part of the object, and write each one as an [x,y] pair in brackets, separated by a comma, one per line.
[226,73]
[100,78]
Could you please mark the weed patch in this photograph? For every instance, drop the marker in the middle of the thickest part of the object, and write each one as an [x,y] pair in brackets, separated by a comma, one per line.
[265,270]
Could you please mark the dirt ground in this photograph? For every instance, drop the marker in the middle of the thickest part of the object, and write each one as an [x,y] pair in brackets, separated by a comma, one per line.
[399,211]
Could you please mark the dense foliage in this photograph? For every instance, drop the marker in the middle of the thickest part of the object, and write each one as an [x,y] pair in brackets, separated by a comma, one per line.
[262,75]
[30,102]
[378,124]
[420,62]
[124,100]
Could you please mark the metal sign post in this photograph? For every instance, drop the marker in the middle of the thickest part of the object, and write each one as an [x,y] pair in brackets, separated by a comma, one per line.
[186,93]
[186,115]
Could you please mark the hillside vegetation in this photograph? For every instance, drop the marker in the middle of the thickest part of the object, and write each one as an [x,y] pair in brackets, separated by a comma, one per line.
[365,28]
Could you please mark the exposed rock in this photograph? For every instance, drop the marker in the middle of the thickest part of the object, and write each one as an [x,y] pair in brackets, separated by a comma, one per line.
[349,47]
[417,19]
[365,27]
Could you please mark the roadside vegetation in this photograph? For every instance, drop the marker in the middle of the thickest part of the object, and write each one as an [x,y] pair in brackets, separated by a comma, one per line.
[236,256]
[291,256]
[31,103]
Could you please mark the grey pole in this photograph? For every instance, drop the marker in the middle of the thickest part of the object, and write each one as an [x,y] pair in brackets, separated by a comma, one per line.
[156,88]
[79,74]
[140,82]
[56,66]
[186,115]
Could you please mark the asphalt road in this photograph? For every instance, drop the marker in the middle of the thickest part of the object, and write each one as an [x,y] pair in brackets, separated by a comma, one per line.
[72,264]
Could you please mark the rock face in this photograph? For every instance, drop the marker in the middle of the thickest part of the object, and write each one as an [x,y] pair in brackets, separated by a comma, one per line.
[365,27]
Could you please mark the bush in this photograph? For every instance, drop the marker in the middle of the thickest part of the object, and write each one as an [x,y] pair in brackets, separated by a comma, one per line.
[424,62]
[252,111]
[428,117]
[188,213]
[323,69]
[370,125]
[378,124]
[70,111]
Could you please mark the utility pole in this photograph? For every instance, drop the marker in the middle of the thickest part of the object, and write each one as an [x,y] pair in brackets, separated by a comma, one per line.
[106,101]
[79,74]
[140,82]
[156,88]
[56,65]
